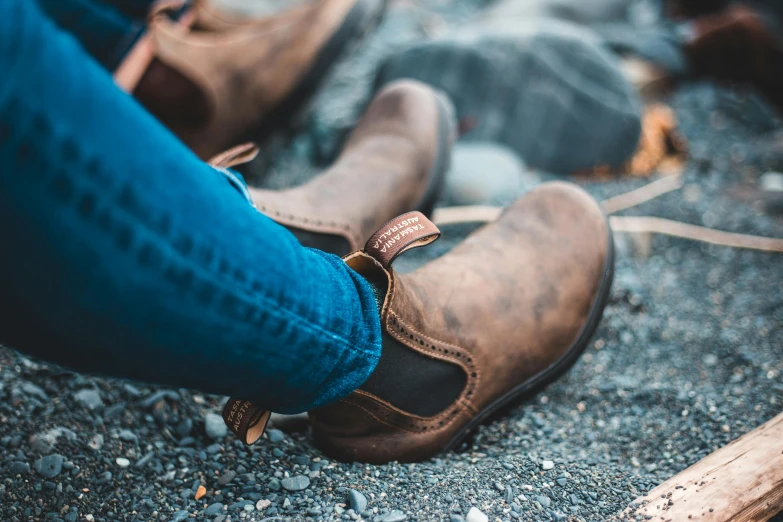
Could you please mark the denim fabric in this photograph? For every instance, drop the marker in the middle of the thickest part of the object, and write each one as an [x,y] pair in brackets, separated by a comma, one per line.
[137,9]
[104,32]
[125,255]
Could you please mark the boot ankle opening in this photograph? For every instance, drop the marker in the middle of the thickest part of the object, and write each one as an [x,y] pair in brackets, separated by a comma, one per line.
[173,98]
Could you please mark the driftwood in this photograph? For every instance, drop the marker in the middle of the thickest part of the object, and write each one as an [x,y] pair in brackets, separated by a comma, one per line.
[642,194]
[654,225]
[741,482]
[637,226]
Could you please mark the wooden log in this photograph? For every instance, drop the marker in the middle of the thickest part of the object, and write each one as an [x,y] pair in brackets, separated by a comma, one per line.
[741,482]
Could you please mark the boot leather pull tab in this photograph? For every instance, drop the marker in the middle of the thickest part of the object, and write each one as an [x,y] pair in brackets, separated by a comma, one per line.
[235,156]
[246,420]
[411,230]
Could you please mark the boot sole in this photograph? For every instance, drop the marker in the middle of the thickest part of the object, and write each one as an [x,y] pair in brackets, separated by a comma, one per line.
[283,120]
[556,370]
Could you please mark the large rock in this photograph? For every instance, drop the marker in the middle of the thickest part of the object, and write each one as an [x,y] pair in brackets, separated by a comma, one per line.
[577,11]
[547,89]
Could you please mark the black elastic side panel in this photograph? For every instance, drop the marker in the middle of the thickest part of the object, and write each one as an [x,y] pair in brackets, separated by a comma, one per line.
[407,379]
[414,382]
[330,243]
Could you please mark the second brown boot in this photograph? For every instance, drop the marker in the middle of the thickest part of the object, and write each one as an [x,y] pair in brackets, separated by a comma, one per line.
[218,82]
[739,45]
[497,318]
[394,161]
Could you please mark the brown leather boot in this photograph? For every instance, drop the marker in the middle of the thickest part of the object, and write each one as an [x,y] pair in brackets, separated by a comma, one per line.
[217,82]
[738,45]
[497,318]
[394,161]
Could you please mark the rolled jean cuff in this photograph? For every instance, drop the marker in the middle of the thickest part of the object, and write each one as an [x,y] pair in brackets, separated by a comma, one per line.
[138,29]
[236,180]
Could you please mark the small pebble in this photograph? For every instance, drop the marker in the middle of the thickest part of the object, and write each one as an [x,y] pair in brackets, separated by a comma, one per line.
[90,399]
[49,466]
[357,501]
[393,516]
[476,515]
[179,516]
[543,500]
[214,426]
[19,468]
[275,436]
[295,483]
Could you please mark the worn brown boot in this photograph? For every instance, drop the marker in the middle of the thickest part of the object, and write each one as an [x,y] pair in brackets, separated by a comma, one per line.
[217,82]
[394,161]
[497,318]
[738,45]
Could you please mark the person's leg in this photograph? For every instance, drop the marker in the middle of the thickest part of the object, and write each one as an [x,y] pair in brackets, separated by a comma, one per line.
[137,9]
[104,32]
[123,254]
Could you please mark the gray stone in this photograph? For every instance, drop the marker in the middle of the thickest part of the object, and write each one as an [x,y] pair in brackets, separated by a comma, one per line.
[274,484]
[96,442]
[179,516]
[357,500]
[90,399]
[44,442]
[214,509]
[227,477]
[302,460]
[547,89]
[543,500]
[127,436]
[547,464]
[49,466]
[393,516]
[40,444]
[486,174]
[583,13]
[275,436]
[153,399]
[214,426]
[476,515]
[184,427]
[295,483]
[771,182]
[34,391]
[19,468]
[122,462]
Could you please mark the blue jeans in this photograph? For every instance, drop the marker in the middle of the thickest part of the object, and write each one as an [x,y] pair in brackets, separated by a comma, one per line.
[107,29]
[125,255]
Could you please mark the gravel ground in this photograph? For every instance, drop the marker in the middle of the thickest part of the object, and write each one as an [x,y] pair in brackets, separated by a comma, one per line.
[687,358]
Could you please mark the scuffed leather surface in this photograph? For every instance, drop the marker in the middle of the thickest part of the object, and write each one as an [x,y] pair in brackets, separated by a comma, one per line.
[383,171]
[504,305]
